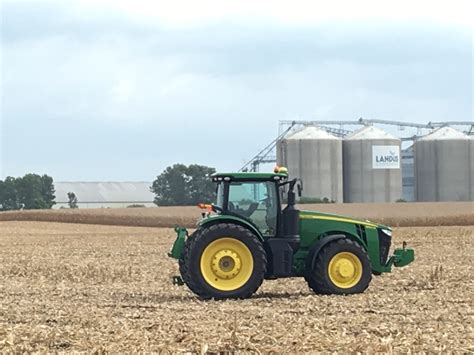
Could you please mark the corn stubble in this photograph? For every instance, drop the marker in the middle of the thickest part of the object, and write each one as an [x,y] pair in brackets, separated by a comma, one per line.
[70,287]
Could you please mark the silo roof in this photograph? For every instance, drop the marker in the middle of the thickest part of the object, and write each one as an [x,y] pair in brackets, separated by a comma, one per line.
[370,132]
[311,132]
[445,133]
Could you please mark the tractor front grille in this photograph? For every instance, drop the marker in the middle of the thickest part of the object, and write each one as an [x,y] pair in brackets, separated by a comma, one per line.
[361,232]
[385,241]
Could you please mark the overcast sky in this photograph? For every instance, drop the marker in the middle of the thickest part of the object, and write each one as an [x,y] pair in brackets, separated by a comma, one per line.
[118,90]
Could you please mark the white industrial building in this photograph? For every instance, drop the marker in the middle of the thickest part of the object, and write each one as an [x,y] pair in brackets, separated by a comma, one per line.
[105,194]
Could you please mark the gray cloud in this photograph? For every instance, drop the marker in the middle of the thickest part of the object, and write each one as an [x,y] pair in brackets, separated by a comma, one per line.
[122,100]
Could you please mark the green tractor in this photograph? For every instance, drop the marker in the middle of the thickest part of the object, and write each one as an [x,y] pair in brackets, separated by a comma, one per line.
[248,235]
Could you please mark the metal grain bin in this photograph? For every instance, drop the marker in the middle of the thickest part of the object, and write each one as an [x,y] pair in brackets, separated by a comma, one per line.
[314,156]
[444,167]
[372,170]
[408,174]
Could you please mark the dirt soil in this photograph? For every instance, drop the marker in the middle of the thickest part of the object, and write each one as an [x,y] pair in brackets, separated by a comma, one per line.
[70,287]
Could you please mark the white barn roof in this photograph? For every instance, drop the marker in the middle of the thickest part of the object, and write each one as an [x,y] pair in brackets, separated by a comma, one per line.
[92,192]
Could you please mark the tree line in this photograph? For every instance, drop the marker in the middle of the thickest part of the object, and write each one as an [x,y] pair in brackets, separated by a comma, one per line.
[181,185]
[177,185]
[31,191]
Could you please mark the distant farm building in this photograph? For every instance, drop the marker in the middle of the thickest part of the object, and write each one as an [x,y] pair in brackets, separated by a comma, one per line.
[105,194]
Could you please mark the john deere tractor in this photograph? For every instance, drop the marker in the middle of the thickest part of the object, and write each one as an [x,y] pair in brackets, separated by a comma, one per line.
[249,235]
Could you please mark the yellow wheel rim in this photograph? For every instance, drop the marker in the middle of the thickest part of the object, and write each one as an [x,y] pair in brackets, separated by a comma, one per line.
[226,264]
[345,270]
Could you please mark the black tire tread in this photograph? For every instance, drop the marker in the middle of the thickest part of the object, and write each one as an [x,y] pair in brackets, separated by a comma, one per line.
[317,281]
[194,283]
[183,260]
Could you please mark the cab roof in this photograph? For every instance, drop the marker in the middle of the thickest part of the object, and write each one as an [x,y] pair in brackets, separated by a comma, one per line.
[249,176]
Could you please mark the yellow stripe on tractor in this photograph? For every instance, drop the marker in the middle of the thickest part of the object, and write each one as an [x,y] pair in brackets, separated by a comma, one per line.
[339,219]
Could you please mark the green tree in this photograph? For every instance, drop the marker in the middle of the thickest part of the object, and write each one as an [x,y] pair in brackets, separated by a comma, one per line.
[35,191]
[48,190]
[181,185]
[200,188]
[9,195]
[72,200]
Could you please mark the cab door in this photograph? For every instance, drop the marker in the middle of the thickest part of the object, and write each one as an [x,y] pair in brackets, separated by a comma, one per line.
[256,201]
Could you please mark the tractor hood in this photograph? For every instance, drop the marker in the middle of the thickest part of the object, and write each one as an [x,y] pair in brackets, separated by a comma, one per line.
[338,218]
[308,215]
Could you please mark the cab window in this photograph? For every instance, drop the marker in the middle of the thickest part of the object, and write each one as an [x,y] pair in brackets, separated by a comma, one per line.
[220,195]
[256,201]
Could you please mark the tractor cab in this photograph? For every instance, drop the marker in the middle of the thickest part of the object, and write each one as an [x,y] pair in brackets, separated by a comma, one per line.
[258,199]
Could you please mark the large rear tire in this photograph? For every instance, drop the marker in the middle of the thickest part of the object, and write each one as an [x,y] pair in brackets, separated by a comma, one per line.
[223,261]
[341,267]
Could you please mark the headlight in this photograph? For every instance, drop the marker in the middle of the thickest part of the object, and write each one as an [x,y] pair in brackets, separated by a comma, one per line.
[387,232]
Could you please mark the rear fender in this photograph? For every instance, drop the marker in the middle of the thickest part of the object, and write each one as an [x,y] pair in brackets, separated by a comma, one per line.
[231,219]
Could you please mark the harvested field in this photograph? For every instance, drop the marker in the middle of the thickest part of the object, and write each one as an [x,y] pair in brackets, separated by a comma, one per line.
[395,214]
[70,287]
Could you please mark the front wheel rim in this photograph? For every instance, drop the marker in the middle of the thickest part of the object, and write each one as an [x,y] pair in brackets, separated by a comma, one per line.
[345,270]
[226,264]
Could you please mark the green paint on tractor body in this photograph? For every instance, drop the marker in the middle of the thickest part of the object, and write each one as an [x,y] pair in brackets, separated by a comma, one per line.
[178,245]
[254,202]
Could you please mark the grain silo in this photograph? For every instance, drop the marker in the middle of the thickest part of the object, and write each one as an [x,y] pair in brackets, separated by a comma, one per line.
[408,174]
[444,167]
[372,170]
[314,156]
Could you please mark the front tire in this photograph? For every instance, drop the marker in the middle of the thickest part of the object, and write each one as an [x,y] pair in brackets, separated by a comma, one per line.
[341,267]
[223,261]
